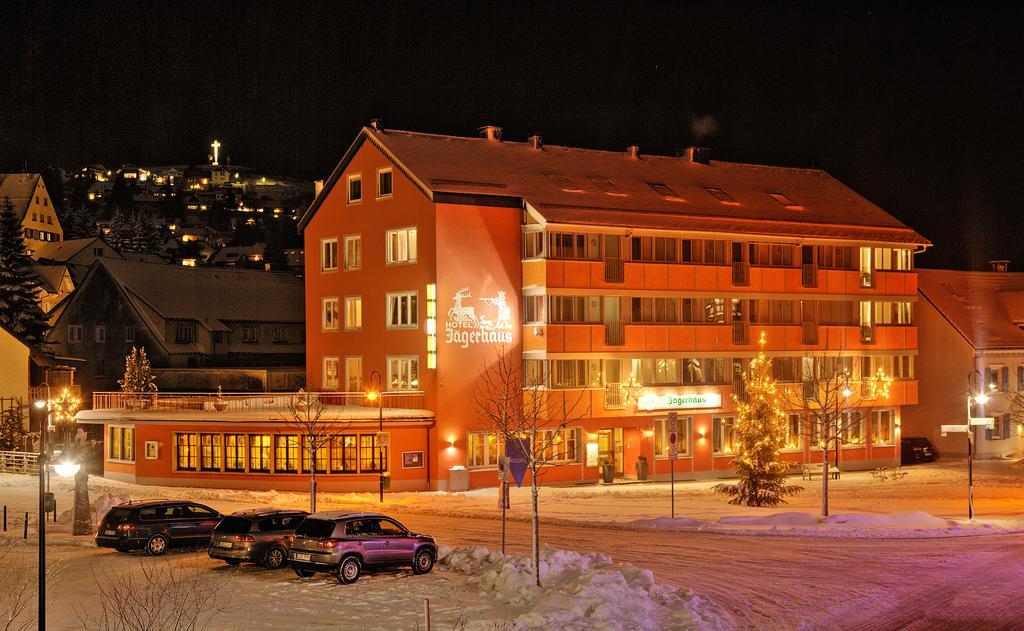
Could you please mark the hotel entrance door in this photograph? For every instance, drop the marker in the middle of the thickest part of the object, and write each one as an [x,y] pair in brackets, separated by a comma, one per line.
[609,447]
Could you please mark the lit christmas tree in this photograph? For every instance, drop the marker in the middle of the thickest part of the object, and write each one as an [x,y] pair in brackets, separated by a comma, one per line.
[760,433]
[138,376]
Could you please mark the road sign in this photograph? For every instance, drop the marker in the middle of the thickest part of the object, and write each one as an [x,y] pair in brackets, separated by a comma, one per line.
[987,421]
[503,472]
[516,451]
[673,435]
[955,429]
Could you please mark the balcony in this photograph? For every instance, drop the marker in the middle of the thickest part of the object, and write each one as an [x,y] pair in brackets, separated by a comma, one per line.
[614,269]
[867,280]
[741,333]
[613,397]
[615,333]
[809,333]
[740,273]
[245,401]
[867,334]
[809,275]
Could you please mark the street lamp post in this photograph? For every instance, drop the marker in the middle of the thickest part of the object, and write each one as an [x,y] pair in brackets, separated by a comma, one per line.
[44,428]
[847,393]
[980,399]
[378,395]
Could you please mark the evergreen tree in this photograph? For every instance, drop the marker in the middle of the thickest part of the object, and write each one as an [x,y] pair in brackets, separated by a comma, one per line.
[760,433]
[138,375]
[120,235]
[145,236]
[78,223]
[12,430]
[19,306]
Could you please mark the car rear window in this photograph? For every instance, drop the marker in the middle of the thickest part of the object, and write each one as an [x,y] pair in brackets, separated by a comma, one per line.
[118,515]
[234,525]
[315,528]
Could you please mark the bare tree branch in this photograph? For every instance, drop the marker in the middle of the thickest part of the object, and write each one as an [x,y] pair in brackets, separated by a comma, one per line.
[308,416]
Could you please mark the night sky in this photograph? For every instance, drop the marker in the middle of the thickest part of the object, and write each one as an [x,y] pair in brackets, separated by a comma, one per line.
[921,111]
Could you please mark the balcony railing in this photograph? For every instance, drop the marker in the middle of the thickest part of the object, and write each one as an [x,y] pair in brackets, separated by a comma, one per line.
[867,280]
[614,269]
[38,393]
[615,333]
[867,334]
[19,462]
[741,332]
[613,398]
[809,333]
[245,401]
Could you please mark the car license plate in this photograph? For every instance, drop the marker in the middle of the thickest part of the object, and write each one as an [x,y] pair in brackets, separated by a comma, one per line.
[302,557]
[224,544]
[110,533]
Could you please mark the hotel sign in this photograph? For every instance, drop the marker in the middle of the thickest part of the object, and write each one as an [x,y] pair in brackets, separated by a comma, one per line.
[489,322]
[691,401]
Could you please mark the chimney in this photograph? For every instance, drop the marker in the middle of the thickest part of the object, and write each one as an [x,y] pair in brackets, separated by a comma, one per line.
[999,265]
[377,124]
[318,185]
[491,132]
[633,151]
[535,142]
[697,155]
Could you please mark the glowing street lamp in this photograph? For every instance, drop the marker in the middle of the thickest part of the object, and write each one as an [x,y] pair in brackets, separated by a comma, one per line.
[376,394]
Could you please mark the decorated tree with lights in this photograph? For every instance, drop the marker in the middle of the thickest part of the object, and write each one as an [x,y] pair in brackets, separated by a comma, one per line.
[760,433]
[138,375]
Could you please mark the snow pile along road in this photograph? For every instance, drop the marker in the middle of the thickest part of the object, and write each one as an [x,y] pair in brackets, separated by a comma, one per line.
[581,591]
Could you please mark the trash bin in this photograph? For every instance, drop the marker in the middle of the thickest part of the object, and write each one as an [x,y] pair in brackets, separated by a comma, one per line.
[387,481]
[607,472]
[458,479]
[641,468]
[50,502]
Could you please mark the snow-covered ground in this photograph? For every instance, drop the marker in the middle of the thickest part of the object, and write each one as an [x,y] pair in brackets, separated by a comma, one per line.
[890,552]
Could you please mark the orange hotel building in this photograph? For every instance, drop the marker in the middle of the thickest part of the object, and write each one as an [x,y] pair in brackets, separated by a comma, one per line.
[629,278]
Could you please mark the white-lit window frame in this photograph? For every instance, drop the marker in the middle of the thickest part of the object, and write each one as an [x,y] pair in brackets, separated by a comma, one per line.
[387,245]
[109,442]
[346,324]
[324,266]
[348,378]
[323,314]
[323,372]
[411,358]
[387,310]
[345,240]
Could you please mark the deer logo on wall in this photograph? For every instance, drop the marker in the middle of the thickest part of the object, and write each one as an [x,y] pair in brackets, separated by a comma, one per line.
[460,315]
[465,327]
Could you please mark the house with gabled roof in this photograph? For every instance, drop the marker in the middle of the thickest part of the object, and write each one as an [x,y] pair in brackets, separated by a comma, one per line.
[185,318]
[33,205]
[971,342]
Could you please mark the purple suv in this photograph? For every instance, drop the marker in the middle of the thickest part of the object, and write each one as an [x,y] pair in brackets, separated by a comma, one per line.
[343,543]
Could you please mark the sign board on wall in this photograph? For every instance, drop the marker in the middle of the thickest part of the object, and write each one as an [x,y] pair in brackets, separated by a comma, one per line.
[412,459]
[689,401]
[673,435]
[485,320]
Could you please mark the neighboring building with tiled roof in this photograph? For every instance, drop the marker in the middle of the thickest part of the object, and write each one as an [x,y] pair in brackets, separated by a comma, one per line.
[183,317]
[32,204]
[969,321]
[76,251]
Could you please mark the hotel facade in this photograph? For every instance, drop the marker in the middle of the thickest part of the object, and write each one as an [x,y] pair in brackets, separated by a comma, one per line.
[635,284]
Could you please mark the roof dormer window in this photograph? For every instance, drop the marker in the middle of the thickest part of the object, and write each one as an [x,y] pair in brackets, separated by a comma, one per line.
[606,185]
[565,183]
[786,201]
[721,196]
[665,191]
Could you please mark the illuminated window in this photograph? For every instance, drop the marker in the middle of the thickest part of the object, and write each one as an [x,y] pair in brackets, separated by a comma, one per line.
[210,448]
[558,445]
[328,255]
[286,453]
[683,426]
[371,456]
[384,183]
[329,316]
[482,449]
[401,246]
[322,453]
[186,452]
[234,452]
[259,453]
[353,374]
[353,313]
[353,252]
[402,310]
[355,188]
[345,454]
[330,373]
[723,434]
[403,373]
[793,424]
[121,443]
[882,427]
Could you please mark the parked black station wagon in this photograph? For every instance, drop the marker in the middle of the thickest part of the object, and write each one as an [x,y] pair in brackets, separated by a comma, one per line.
[155,525]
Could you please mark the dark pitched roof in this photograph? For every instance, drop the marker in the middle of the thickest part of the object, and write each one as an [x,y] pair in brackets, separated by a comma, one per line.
[61,251]
[986,308]
[586,186]
[210,296]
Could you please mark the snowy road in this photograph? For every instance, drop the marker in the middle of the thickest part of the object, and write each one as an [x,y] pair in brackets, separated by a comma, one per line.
[793,582]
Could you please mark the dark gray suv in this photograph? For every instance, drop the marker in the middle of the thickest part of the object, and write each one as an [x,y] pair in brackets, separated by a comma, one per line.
[344,543]
[155,525]
[255,535]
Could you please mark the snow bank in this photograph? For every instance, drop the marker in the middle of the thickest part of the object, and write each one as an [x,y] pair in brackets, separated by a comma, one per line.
[913,520]
[99,508]
[581,591]
[778,519]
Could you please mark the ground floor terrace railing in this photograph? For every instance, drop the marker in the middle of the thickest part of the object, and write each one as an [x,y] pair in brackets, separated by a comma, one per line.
[246,401]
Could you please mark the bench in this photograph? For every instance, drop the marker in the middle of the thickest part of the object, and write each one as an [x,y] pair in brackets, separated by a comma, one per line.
[816,469]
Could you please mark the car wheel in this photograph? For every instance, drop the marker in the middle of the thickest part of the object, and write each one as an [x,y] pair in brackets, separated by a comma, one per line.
[156,545]
[349,570]
[301,573]
[423,563]
[275,558]
[233,562]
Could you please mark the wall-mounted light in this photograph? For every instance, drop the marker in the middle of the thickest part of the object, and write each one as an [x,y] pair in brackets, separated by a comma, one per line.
[648,433]
[700,435]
